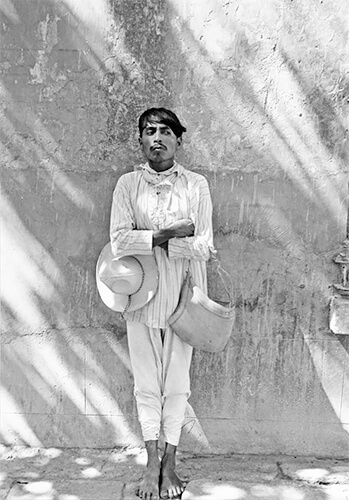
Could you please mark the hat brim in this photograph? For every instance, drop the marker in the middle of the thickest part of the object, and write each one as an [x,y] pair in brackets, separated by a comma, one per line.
[117,301]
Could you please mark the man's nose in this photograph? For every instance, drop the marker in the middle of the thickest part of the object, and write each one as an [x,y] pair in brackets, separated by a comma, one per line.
[157,136]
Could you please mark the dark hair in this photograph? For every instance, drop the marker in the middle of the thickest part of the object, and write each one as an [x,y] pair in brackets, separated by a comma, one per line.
[161,115]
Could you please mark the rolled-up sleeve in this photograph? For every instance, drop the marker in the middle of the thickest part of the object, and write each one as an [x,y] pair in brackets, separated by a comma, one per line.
[125,240]
[200,246]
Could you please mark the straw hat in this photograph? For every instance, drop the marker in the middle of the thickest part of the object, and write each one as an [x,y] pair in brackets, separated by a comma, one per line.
[126,283]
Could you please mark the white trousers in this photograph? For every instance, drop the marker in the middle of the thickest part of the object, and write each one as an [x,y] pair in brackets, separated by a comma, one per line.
[160,362]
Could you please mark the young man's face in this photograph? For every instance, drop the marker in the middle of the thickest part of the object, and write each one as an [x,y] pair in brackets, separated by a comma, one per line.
[159,143]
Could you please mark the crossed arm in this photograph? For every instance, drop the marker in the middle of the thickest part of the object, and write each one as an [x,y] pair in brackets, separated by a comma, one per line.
[190,238]
[179,229]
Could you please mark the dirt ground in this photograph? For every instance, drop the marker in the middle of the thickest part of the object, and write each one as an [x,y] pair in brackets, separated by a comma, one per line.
[90,474]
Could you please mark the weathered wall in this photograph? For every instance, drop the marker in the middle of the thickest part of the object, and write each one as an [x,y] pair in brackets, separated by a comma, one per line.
[263,88]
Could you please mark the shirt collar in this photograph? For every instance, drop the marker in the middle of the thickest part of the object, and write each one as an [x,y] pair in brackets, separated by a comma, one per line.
[175,169]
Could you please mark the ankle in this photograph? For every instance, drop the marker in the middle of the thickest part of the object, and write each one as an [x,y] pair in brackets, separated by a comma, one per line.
[169,456]
[152,453]
[153,462]
[153,466]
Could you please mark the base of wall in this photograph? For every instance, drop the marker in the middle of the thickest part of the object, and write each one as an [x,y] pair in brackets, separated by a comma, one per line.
[204,435]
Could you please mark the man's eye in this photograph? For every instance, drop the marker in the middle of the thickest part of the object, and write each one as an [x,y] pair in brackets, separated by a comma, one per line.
[149,131]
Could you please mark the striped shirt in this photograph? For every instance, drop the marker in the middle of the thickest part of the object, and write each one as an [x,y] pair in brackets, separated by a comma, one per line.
[145,200]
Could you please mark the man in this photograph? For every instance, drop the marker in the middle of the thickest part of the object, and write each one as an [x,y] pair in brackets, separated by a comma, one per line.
[163,209]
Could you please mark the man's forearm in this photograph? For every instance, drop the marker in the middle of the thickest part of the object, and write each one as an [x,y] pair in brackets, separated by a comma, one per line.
[161,236]
[179,229]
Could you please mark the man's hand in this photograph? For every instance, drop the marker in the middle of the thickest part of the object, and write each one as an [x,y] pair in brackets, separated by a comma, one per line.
[179,229]
[182,228]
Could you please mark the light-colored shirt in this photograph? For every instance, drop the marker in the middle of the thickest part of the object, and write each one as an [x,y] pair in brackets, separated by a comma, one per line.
[144,201]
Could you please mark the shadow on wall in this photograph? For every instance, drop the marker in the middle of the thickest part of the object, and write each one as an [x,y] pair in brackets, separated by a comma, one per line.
[74,77]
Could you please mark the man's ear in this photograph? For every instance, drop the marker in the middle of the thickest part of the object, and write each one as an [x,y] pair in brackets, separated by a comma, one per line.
[179,141]
[140,141]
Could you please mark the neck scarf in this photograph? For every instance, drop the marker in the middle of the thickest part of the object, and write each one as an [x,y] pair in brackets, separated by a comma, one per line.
[167,177]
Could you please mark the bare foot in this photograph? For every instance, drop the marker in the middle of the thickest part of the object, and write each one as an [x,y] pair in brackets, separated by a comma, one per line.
[170,484]
[149,486]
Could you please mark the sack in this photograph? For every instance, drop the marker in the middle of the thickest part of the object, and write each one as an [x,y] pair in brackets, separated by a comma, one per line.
[200,321]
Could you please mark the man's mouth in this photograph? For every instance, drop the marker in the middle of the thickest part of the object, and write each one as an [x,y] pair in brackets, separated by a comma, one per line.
[157,147]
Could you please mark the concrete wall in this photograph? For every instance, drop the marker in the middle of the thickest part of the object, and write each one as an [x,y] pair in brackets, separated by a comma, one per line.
[263,88]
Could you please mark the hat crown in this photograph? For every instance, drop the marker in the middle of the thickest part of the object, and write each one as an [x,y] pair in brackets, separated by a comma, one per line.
[122,275]
[126,283]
